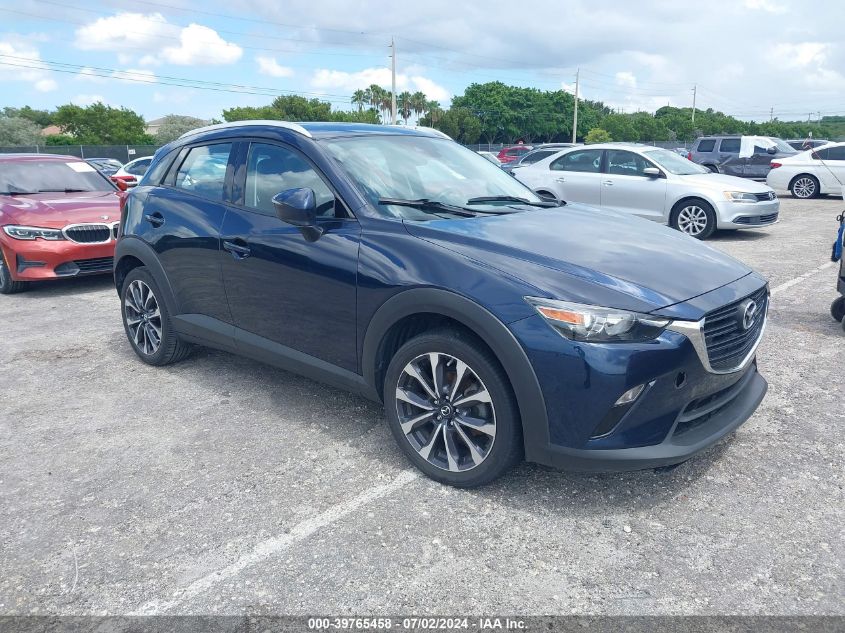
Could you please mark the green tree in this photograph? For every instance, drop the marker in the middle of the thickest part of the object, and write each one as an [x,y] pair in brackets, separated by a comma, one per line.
[41,118]
[174,126]
[17,130]
[597,135]
[359,98]
[403,105]
[99,124]
[461,124]
[418,104]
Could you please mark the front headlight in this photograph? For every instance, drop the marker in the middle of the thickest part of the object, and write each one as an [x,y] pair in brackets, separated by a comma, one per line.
[595,324]
[739,196]
[32,232]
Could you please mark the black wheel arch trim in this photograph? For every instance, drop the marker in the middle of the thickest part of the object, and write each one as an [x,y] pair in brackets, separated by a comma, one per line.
[137,248]
[485,325]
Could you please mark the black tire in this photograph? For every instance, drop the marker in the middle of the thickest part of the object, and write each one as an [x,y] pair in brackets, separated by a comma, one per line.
[484,373]
[170,349]
[837,309]
[712,168]
[683,213]
[7,285]
[804,187]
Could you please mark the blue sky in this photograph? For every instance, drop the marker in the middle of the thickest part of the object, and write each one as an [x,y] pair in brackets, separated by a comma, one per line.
[746,57]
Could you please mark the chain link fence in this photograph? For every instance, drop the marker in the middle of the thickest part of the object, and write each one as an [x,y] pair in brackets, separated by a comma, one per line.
[123,153]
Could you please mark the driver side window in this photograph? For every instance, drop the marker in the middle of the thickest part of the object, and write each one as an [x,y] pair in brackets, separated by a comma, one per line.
[272,169]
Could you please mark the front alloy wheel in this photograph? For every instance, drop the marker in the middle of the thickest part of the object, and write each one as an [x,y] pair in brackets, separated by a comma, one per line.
[695,218]
[446,412]
[451,408]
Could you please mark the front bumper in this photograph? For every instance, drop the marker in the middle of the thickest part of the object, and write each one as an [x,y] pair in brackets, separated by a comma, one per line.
[685,406]
[34,260]
[739,215]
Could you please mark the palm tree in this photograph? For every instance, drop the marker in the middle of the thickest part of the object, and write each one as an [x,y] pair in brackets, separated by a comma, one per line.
[434,112]
[418,104]
[403,105]
[377,94]
[387,103]
[359,98]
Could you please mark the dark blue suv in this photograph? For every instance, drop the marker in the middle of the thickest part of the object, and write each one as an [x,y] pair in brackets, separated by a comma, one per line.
[493,324]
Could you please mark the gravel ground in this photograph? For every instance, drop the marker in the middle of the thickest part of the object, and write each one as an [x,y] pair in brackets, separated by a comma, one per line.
[220,485]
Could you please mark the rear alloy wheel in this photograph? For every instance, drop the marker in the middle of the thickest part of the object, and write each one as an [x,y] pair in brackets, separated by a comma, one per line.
[713,168]
[451,409]
[837,310]
[695,218]
[147,321]
[805,187]
[7,285]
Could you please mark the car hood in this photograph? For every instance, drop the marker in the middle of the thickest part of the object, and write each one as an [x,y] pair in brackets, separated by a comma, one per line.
[580,253]
[57,210]
[725,183]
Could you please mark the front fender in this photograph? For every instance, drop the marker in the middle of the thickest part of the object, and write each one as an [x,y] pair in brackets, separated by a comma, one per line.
[129,246]
[486,326]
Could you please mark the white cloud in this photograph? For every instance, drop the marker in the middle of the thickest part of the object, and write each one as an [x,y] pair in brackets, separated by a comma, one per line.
[26,65]
[88,99]
[269,66]
[89,74]
[201,45]
[764,5]
[800,55]
[626,79]
[338,80]
[135,76]
[197,44]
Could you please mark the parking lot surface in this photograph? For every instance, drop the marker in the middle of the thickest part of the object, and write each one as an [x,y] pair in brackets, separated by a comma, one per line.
[220,485]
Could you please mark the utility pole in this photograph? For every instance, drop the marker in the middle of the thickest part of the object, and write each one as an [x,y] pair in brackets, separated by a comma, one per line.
[771,114]
[694,91]
[819,120]
[393,82]
[575,115]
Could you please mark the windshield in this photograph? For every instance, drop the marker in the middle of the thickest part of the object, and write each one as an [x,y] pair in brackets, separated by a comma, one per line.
[674,163]
[34,176]
[782,145]
[421,168]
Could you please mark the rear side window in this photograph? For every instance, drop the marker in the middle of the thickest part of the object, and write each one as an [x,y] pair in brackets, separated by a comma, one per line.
[835,153]
[729,145]
[706,145]
[272,169]
[154,175]
[534,157]
[203,172]
[586,160]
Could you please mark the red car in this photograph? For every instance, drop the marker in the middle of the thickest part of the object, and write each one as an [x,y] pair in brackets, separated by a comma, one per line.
[58,218]
[510,154]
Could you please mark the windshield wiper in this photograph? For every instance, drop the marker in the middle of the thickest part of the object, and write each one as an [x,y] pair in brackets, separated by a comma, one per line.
[424,204]
[16,192]
[66,190]
[541,203]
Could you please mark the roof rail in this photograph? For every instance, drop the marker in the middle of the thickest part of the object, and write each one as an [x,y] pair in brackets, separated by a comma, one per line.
[235,124]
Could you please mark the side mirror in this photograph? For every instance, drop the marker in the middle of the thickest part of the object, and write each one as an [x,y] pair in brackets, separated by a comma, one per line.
[298,207]
[772,150]
[652,172]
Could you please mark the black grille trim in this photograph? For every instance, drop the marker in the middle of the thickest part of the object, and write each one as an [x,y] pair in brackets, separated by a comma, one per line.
[765,197]
[727,343]
[757,219]
[88,233]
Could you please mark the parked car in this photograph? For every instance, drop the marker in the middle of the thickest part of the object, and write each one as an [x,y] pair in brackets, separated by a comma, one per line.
[397,264]
[538,153]
[59,218]
[742,156]
[653,183]
[132,171]
[510,154]
[489,156]
[800,145]
[106,166]
[811,173]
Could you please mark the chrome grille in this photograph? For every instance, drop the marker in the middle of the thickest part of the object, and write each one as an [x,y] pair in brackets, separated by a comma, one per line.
[728,341]
[88,233]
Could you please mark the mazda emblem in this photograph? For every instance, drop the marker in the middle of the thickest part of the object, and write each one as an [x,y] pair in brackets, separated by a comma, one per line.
[748,311]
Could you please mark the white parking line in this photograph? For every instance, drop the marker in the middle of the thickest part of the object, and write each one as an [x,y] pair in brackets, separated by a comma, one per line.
[273,546]
[794,282]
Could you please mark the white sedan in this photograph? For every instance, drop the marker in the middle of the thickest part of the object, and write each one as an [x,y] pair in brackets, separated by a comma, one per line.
[653,183]
[132,171]
[811,173]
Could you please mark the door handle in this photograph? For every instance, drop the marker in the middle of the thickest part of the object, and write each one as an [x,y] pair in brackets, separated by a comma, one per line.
[561,179]
[156,219]
[607,183]
[238,252]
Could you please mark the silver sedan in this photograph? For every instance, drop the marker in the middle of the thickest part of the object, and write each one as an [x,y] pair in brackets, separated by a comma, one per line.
[653,183]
